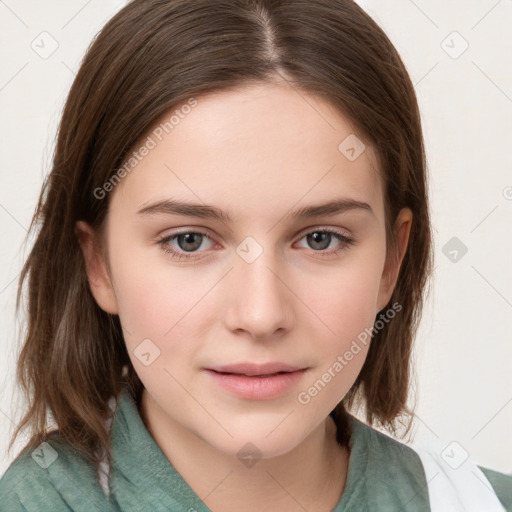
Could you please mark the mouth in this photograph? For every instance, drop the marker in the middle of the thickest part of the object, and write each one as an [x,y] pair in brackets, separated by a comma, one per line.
[256,370]
[249,375]
[256,382]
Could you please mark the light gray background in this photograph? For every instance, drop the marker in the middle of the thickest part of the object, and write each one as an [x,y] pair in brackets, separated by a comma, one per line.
[464,347]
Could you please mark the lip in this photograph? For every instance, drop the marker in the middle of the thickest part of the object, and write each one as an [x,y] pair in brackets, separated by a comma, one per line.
[256,381]
[252,369]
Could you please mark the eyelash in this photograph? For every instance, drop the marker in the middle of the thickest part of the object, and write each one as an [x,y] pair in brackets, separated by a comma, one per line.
[164,243]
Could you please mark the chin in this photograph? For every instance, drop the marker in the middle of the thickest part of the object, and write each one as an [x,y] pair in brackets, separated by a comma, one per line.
[248,444]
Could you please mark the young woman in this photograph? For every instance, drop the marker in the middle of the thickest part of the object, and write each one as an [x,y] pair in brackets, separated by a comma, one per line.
[233,252]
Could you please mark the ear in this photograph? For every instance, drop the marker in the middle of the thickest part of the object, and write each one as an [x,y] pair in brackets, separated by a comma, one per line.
[391,270]
[99,280]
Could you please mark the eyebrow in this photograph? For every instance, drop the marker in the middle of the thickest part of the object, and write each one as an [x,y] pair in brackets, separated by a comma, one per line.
[175,207]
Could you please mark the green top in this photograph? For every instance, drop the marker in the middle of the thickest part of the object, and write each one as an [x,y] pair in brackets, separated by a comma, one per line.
[383,475]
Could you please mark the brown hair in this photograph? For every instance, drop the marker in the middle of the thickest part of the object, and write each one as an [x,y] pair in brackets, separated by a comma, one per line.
[150,57]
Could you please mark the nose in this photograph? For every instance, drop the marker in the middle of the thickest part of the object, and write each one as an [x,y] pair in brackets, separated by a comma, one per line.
[260,299]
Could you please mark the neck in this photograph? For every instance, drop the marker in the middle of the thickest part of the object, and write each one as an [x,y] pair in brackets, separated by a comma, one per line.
[311,476]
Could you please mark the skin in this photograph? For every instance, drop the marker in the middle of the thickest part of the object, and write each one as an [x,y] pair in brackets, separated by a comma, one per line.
[258,152]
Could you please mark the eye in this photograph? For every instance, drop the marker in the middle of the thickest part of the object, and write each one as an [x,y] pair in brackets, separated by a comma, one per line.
[188,241]
[320,240]
[185,245]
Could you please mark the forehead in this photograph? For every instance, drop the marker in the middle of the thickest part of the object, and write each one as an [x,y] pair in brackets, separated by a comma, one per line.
[262,144]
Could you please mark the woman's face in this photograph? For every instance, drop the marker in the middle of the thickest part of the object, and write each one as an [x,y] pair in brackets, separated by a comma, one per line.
[272,280]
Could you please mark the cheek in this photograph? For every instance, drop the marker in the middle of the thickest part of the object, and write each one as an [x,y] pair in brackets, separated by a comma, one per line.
[148,293]
[341,344]
[345,299]
[163,305]
[346,303]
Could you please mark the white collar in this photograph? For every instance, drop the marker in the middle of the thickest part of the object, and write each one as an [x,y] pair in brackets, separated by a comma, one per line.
[455,482]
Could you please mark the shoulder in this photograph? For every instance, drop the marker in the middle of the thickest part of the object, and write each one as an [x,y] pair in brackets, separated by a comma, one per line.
[424,468]
[52,477]
[391,472]
[384,448]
